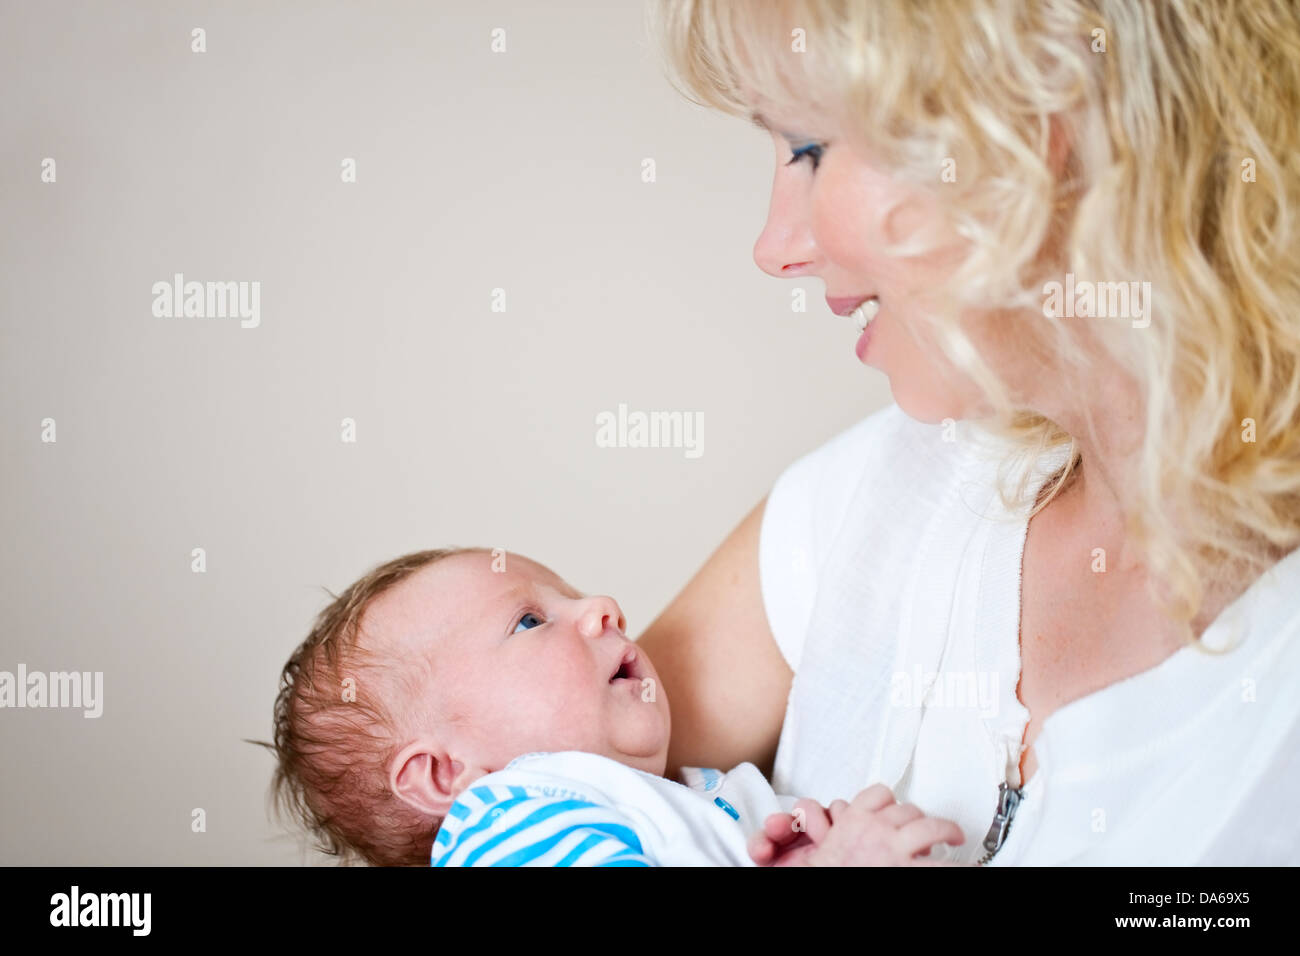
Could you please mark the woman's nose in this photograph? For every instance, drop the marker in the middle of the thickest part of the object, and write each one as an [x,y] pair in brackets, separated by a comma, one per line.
[785,247]
[600,613]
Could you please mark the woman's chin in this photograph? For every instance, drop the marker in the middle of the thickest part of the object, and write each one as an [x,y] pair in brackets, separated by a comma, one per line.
[923,407]
[919,398]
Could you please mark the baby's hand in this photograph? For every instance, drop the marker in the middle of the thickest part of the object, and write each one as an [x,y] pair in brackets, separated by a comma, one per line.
[873,830]
[787,838]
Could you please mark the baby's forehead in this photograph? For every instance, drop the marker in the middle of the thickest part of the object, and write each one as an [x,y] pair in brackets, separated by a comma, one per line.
[443,597]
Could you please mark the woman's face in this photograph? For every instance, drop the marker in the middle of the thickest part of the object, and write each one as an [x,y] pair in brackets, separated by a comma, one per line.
[834,222]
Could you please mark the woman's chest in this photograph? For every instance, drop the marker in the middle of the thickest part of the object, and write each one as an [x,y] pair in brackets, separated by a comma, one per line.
[1084,624]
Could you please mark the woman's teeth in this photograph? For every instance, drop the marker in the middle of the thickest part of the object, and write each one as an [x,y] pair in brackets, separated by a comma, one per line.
[865,312]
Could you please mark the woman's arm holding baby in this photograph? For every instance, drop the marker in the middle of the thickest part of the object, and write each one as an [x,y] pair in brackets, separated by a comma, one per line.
[726,680]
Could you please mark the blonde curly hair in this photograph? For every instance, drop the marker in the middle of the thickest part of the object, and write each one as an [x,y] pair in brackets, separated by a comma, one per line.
[1182,119]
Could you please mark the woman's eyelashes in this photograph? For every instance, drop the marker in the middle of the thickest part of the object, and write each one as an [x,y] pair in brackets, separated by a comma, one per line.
[812,150]
[523,622]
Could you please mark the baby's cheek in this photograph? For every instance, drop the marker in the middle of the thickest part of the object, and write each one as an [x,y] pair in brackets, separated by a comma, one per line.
[554,695]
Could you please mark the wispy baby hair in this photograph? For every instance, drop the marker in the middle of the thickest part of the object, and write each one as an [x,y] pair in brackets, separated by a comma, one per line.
[334,737]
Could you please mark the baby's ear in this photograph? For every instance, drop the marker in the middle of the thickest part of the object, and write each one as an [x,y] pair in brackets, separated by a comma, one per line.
[426,777]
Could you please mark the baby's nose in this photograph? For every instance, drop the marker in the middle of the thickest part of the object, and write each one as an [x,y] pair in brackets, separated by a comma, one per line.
[598,618]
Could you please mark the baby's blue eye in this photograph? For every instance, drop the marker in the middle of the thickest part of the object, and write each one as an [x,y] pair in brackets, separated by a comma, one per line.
[523,622]
[813,151]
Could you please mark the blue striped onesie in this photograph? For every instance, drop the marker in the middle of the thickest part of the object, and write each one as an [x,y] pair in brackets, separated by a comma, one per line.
[579,809]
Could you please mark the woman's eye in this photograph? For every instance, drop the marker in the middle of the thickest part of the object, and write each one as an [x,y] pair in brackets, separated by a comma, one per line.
[813,150]
[524,622]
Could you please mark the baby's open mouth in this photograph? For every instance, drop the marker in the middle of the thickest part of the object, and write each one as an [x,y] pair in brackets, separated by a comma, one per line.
[629,666]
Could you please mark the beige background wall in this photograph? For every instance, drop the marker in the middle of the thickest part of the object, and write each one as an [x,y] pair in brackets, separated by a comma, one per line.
[475,171]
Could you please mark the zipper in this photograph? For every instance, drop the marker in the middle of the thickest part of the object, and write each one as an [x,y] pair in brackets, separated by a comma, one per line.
[1009,798]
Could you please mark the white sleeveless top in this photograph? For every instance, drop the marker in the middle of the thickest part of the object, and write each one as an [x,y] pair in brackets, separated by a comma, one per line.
[890,575]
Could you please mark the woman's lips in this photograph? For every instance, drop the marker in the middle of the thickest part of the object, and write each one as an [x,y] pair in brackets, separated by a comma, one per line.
[863,341]
[863,310]
[845,305]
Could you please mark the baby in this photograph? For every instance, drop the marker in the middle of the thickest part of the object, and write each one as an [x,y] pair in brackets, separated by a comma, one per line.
[467,707]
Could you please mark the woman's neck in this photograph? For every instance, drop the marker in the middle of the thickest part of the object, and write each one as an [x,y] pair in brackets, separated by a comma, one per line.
[1101,499]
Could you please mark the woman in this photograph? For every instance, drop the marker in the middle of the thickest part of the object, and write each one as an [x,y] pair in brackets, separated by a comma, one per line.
[1053,592]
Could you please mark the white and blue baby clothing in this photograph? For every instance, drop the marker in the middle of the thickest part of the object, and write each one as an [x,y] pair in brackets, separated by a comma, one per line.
[580,809]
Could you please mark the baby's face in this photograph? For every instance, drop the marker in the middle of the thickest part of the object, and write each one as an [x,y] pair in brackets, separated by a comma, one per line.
[522,662]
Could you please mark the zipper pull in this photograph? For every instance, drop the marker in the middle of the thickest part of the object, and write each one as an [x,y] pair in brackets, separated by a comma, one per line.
[1008,800]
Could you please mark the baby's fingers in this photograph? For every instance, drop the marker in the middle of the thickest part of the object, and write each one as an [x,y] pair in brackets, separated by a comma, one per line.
[837,809]
[925,862]
[919,835]
[761,849]
[811,817]
[781,828]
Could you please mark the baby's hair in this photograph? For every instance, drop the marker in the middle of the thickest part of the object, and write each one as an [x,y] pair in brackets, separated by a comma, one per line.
[333,742]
